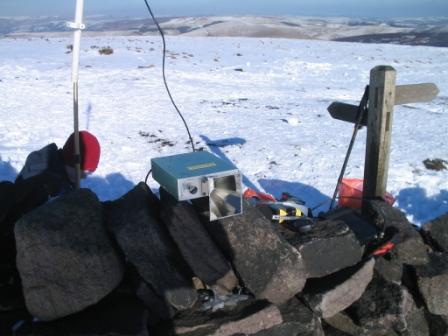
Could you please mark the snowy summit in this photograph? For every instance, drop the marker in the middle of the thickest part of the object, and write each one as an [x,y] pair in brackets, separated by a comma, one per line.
[259,102]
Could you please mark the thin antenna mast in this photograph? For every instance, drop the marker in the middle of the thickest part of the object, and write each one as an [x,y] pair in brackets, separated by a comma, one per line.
[78,26]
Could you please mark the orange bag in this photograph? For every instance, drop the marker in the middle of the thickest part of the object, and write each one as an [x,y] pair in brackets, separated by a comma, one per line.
[350,193]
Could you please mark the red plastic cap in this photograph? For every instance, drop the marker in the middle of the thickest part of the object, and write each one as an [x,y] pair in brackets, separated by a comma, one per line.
[383,249]
[89,148]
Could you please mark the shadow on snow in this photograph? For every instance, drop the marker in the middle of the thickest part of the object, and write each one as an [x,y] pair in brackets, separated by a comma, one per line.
[420,206]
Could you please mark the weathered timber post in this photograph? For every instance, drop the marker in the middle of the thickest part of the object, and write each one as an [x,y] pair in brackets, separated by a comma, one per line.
[383,95]
[379,131]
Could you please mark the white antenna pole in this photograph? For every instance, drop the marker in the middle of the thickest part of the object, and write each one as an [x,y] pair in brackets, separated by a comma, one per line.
[78,26]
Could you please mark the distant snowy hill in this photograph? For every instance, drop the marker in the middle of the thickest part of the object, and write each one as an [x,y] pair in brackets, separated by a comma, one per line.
[259,102]
[427,31]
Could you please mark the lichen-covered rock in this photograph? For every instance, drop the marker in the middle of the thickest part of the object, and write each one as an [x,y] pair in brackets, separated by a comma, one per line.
[65,256]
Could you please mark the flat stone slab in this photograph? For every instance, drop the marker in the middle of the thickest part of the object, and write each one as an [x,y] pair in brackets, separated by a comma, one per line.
[334,293]
[327,248]
[259,318]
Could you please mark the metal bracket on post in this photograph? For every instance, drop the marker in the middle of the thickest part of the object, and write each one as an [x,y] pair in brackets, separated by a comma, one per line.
[75,25]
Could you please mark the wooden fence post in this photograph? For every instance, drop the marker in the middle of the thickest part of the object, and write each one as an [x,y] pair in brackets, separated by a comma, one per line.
[379,131]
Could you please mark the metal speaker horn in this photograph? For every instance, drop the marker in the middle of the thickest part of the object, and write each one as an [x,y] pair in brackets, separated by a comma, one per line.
[198,176]
[225,197]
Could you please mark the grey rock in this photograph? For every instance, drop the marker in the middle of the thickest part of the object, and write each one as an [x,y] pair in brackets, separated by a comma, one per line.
[327,248]
[65,257]
[268,266]
[432,280]
[332,294]
[156,305]
[250,318]
[343,323]
[298,320]
[246,314]
[437,230]
[409,246]
[133,220]
[411,251]
[195,244]
[390,270]
[332,331]
[438,324]
[383,308]
[417,324]
[363,228]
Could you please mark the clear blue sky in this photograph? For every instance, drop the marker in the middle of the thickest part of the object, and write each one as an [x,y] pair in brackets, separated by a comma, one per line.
[136,8]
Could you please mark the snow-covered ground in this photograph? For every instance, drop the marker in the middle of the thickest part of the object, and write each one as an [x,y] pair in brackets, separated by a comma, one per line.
[270,118]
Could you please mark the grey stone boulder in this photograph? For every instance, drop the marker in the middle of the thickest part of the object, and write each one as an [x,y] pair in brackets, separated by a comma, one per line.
[327,248]
[432,280]
[332,294]
[266,263]
[384,308]
[259,318]
[134,221]
[417,324]
[195,244]
[409,245]
[437,231]
[297,319]
[412,251]
[390,270]
[65,256]
[343,323]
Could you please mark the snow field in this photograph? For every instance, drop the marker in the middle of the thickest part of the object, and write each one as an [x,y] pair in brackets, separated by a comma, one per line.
[259,102]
